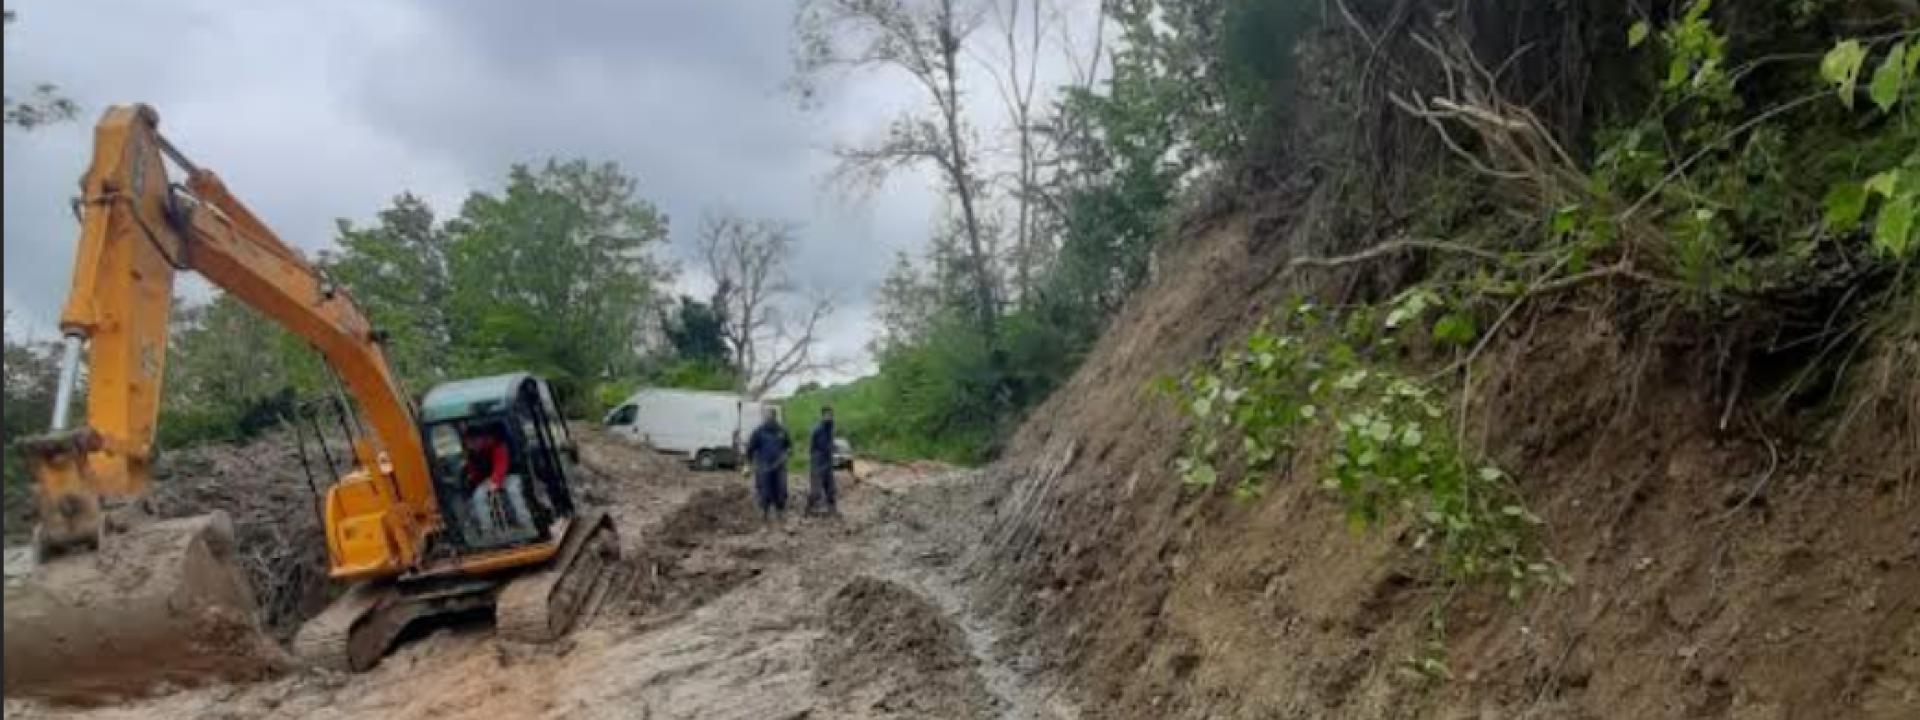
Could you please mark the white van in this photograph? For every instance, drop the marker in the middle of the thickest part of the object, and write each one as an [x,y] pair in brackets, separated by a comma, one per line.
[709,429]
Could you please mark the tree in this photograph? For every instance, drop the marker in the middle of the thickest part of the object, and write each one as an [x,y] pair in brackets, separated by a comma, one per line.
[771,335]
[923,39]
[697,331]
[232,372]
[554,275]
[45,105]
[396,270]
[30,373]
[904,306]
[1024,26]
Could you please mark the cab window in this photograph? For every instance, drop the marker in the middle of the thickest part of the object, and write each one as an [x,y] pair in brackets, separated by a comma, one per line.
[624,415]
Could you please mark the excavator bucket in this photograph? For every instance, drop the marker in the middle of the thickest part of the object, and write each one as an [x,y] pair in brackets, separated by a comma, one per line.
[159,606]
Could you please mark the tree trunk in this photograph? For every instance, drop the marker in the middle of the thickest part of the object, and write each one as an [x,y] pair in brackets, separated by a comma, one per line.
[982,280]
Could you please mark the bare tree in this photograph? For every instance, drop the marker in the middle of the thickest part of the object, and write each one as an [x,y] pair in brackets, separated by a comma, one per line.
[45,105]
[1022,26]
[924,40]
[772,336]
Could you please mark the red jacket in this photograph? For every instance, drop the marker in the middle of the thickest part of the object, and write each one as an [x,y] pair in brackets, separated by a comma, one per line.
[496,464]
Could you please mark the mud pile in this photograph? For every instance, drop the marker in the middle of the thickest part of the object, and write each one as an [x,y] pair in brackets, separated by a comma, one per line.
[276,518]
[686,561]
[890,652]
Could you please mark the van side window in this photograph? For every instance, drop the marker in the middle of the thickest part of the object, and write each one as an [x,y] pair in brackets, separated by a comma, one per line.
[624,416]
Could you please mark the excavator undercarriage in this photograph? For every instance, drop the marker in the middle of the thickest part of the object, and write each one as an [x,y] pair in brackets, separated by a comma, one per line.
[357,629]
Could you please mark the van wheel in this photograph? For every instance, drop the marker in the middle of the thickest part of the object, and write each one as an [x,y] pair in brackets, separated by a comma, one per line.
[704,461]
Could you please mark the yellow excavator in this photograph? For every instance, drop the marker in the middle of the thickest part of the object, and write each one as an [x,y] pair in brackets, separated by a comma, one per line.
[115,605]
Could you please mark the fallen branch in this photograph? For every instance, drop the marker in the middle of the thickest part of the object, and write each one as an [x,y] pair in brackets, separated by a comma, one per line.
[1391,247]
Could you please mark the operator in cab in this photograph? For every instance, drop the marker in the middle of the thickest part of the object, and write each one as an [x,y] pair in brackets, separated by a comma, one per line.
[497,501]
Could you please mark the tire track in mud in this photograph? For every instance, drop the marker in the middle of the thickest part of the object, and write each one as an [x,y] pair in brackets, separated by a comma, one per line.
[923,542]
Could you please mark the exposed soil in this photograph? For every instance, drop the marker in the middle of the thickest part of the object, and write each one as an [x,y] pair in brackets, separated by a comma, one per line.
[712,616]
[888,649]
[263,489]
[1723,569]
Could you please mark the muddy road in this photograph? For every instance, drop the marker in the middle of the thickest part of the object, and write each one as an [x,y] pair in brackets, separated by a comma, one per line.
[712,616]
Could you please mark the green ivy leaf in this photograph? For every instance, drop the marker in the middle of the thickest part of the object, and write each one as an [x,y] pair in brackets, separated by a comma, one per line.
[1845,203]
[1841,68]
[1409,306]
[1883,184]
[1698,10]
[1637,34]
[1894,231]
[1202,475]
[1889,79]
[1565,220]
[1455,328]
[1412,436]
[1165,385]
[1380,430]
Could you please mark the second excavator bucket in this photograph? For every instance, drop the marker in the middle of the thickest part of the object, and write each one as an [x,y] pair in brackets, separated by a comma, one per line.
[159,606]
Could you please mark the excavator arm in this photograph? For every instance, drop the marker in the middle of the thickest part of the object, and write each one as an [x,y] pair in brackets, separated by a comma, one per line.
[137,231]
[164,603]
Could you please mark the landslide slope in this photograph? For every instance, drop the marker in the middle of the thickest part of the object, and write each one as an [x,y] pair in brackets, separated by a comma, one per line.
[1718,572]
[1732,556]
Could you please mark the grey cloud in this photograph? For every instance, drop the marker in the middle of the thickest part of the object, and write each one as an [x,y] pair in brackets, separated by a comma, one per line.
[318,111]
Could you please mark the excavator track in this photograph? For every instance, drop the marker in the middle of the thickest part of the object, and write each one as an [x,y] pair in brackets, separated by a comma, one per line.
[353,633]
[543,606]
[325,640]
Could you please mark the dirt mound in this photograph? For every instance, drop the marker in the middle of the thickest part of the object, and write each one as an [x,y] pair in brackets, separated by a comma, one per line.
[724,510]
[889,651]
[1722,569]
[276,517]
[609,464]
[684,561]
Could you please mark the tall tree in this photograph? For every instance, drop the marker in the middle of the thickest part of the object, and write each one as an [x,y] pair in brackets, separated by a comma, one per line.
[396,270]
[696,331]
[771,328]
[30,370]
[904,306]
[1024,26]
[232,372]
[924,40]
[555,274]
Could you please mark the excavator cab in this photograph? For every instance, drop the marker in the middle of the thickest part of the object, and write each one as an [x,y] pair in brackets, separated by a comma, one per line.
[518,411]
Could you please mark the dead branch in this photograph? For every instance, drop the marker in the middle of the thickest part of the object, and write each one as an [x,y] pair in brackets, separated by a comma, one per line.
[1394,246]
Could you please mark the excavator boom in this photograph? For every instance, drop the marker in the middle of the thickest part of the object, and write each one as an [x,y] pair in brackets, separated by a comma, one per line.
[95,597]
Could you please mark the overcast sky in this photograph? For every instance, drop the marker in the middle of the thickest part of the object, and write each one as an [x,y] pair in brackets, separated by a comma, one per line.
[313,111]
